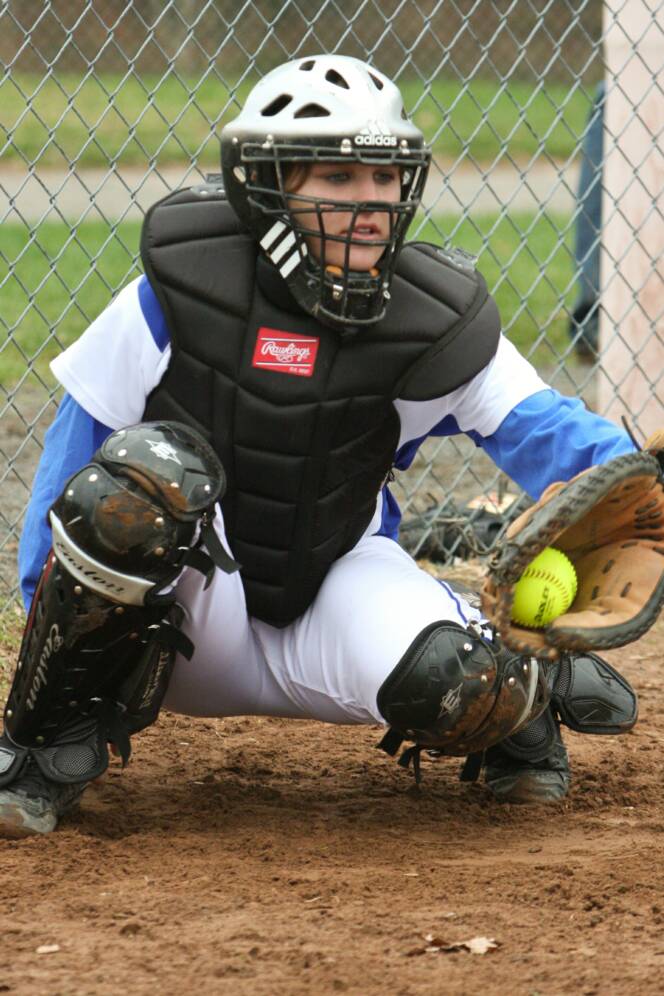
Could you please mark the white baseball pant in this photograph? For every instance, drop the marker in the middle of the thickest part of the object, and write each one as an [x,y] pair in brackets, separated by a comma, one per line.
[330,662]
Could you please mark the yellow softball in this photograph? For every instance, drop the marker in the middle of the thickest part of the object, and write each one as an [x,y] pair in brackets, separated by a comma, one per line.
[545,590]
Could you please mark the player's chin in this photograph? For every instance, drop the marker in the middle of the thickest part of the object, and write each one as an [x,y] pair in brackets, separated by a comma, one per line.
[359,258]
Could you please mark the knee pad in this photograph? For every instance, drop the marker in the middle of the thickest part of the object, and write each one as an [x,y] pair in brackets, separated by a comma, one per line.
[124,525]
[457,692]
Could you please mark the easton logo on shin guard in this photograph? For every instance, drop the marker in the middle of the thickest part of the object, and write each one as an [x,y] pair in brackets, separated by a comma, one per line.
[89,572]
[51,646]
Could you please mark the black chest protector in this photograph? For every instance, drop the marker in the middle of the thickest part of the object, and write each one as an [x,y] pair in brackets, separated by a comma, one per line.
[301,415]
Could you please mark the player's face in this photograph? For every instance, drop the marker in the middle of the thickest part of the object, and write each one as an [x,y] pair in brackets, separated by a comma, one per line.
[347,182]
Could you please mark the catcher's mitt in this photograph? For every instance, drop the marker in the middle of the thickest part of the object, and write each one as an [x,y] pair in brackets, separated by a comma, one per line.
[609,520]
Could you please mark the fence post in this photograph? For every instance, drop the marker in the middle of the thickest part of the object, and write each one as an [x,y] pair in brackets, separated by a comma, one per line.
[631,377]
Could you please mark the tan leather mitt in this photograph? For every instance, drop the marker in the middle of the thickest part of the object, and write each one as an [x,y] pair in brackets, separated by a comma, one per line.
[609,520]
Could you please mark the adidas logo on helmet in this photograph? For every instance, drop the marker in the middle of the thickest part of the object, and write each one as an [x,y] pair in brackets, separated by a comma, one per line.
[375,134]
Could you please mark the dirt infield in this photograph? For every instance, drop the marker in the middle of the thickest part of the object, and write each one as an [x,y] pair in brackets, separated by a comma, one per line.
[259,856]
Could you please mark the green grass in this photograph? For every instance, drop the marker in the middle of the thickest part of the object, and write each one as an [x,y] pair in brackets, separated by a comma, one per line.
[51,288]
[529,267]
[482,122]
[110,119]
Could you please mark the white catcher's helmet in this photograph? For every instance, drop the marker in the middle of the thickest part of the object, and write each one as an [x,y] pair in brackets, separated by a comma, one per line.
[324,108]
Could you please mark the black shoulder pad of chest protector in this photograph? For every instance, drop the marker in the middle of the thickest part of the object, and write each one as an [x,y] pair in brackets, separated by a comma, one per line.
[199,211]
[178,233]
[470,323]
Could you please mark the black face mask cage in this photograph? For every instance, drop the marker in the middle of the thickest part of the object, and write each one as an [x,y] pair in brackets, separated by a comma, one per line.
[333,293]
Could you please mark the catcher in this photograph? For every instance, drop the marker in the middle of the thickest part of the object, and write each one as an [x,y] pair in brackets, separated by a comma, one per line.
[210,527]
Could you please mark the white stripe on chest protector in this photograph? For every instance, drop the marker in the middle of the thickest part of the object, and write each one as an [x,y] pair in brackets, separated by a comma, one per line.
[290,264]
[293,261]
[271,237]
[282,248]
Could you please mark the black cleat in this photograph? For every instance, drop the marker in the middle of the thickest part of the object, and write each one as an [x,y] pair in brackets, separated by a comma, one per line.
[33,803]
[517,779]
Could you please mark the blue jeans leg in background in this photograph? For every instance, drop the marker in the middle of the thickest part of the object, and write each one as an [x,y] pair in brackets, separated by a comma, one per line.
[584,322]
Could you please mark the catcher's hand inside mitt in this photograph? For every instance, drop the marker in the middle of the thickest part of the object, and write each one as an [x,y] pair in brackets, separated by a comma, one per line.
[609,520]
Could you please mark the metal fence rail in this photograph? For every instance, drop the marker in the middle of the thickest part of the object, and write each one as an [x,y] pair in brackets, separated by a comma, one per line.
[105,106]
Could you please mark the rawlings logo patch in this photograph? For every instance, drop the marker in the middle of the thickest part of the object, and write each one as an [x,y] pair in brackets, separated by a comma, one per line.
[285,352]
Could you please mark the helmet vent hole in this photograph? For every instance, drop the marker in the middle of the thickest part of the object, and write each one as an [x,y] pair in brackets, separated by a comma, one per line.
[307,66]
[332,76]
[312,111]
[377,83]
[276,105]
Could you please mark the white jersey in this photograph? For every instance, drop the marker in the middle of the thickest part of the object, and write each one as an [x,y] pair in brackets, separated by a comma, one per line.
[113,367]
[117,362]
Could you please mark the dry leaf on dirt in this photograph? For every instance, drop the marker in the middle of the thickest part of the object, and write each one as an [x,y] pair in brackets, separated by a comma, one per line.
[436,945]
[480,945]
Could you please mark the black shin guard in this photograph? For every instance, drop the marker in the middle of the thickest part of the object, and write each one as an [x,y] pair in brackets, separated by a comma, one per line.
[78,753]
[590,696]
[77,650]
[102,634]
[81,662]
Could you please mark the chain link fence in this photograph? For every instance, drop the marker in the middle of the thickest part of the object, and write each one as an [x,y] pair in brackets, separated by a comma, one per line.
[107,105]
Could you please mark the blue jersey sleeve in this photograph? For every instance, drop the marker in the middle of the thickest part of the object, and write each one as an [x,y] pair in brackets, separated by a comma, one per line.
[546,438]
[550,437]
[70,441]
